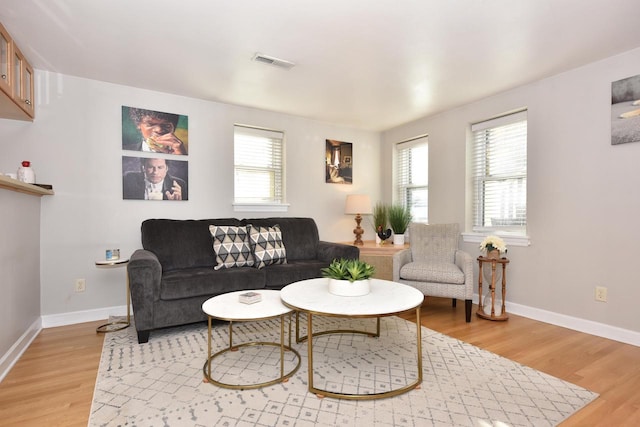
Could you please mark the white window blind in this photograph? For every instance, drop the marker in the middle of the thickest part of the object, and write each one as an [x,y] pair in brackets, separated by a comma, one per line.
[412,177]
[500,173]
[259,165]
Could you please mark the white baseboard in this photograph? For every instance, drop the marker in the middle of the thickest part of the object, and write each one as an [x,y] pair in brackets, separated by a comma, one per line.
[63,319]
[575,323]
[11,357]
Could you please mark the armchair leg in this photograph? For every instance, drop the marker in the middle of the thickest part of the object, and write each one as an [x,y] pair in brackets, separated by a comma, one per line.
[453,302]
[467,310]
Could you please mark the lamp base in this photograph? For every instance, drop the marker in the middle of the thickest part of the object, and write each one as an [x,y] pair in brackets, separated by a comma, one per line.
[358,231]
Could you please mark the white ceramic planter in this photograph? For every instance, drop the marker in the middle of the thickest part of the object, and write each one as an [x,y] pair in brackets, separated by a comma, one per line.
[398,239]
[345,288]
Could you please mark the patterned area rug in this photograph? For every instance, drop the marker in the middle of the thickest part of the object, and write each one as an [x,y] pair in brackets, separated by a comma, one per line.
[160,383]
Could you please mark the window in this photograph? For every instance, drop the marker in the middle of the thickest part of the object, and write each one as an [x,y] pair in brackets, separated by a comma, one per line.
[258,167]
[412,177]
[499,171]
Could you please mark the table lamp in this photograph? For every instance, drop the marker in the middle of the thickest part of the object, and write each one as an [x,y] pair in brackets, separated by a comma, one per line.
[358,204]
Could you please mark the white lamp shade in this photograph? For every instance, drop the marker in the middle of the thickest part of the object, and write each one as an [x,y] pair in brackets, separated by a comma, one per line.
[358,204]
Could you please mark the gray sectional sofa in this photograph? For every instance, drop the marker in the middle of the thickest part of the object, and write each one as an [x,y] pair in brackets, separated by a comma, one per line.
[175,271]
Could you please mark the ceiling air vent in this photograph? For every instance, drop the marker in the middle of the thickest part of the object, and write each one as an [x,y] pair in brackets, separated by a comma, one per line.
[276,62]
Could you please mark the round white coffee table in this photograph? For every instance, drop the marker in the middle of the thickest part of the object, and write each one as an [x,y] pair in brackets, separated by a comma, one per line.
[385,299]
[228,307]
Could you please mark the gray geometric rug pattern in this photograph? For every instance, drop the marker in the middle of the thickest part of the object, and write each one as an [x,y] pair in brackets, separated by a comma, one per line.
[160,383]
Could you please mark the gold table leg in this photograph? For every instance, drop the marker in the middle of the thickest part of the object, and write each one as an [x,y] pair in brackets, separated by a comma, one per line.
[118,325]
[354,396]
[206,369]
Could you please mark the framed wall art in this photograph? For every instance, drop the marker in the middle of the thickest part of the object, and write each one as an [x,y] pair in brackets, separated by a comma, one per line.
[338,162]
[625,110]
[154,178]
[154,131]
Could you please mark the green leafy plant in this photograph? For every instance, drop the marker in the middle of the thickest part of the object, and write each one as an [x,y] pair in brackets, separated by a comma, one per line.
[399,218]
[348,269]
[380,217]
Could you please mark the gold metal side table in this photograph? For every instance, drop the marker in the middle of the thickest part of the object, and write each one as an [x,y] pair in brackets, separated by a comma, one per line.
[118,324]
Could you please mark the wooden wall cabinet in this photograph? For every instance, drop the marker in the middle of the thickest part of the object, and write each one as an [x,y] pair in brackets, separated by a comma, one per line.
[16,81]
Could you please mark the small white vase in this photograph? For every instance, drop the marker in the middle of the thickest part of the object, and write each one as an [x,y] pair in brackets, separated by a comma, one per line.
[345,288]
[398,239]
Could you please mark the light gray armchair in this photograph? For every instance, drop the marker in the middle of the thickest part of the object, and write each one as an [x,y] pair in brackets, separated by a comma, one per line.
[434,265]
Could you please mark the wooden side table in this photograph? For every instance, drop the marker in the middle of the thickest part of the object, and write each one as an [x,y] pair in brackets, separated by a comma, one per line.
[493,264]
[118,324]
[380,256]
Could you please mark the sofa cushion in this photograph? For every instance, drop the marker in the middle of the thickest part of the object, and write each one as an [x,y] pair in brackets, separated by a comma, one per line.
[182,243]
[299,235]
[193,282]
[231,246]
[432,271]
[266,245]
[278,276]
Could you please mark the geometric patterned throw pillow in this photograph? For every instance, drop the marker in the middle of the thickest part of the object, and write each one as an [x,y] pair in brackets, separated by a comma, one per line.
[231,245]
[266,245]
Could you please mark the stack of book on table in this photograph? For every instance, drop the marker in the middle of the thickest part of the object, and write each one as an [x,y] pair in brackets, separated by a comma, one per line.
[250,297]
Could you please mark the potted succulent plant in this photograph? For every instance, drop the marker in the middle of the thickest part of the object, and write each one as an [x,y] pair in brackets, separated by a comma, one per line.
[399,219]
[348,277]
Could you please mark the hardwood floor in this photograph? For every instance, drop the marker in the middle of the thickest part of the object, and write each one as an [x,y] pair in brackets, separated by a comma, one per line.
[52,384]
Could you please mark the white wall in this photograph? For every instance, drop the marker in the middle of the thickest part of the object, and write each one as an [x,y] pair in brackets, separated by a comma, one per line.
[583,193]
[75,144]
[19,267]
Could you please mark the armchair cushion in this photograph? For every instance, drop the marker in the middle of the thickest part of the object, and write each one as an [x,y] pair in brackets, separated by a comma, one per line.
[436,242]
[434,271]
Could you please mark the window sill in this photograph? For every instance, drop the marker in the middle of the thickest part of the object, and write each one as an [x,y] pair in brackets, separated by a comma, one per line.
[260,207]
[509,238]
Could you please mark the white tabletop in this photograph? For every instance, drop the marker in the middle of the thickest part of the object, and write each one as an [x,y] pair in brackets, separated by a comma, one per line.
[228,307]
[385,298]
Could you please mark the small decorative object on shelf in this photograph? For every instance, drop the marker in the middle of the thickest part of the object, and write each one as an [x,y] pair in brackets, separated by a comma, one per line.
[494,246]
[348,277]
[250,297]
[25,173]
[380,222]
[112,254]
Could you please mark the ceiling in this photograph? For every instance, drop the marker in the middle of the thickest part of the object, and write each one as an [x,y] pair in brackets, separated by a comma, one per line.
[368,64]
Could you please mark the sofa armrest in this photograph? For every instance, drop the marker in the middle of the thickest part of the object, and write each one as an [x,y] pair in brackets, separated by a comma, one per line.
[144,272]
[464,261]
[328,251]
[399,259]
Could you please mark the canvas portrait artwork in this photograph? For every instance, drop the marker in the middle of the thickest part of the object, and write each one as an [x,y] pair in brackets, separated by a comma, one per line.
[154,178]
[625,110]
[338,162]
[154,131]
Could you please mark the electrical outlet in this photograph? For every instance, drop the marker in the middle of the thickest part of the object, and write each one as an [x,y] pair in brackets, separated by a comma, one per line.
[81,285]
[601,293]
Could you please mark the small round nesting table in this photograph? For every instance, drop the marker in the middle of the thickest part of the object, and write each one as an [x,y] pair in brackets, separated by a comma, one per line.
[227,307]
[385,299]
[116,325]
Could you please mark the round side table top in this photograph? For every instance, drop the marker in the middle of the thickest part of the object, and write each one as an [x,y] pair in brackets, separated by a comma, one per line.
[385,298]
[110,262]
[228,307]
